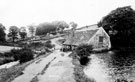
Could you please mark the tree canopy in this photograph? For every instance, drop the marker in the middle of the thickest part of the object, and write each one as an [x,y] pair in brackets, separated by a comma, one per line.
[13,32]
[60,25]
[53,27]
[2,33]
[74,25]
[22,32]
[44,28]
[32,29]
[120,25]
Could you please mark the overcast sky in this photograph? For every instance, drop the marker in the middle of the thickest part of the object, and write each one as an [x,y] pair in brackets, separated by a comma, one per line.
[83,12]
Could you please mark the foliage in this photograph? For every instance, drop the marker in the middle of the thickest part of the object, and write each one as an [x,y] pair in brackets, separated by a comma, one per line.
[5,60]
[23,55]
[26,55]
[9,74]
[44,28]
[120,25]
[60,25]
[13,31]
[2,33]
[51,28]
[79,74]
[83,51]
[32,29]
[22,29]
[23,35]
[74,25]
[123,57]
[22,32]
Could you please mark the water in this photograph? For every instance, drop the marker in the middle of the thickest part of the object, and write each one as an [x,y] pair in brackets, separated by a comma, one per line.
[111,67]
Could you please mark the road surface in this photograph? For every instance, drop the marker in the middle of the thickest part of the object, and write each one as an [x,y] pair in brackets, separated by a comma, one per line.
[53,68]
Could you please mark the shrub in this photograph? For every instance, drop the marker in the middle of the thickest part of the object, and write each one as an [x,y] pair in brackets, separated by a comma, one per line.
[8,54]
[84,60]
[82,52]
[26,55]
[16,54]
[23,55]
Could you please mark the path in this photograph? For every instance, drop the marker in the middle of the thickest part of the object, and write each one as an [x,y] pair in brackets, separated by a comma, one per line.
[53,68]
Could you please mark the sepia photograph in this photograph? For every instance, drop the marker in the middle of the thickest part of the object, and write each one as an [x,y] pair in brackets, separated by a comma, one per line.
[67,40]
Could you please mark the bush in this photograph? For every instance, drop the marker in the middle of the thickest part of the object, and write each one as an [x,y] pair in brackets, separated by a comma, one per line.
[8,54]
[16,54]
[25,55]
[84,60]
[82,52]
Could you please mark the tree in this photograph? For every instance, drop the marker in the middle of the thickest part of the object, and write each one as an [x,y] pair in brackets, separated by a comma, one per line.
[22,32]
[74,25]
[32,29]
[61,25]
[23,35]
[22,29]
[44,28]
[120,25]
[2,33]
[13,32]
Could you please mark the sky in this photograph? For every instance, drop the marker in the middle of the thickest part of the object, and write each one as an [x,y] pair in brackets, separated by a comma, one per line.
[83,12]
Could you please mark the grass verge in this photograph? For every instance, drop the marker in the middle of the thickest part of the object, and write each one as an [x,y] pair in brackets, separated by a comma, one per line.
[9,74]
[79,75]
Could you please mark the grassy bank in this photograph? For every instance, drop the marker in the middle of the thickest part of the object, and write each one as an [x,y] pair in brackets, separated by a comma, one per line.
[9,74]
[79,75]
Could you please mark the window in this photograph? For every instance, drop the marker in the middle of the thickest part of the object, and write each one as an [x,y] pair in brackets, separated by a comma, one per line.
[101,39]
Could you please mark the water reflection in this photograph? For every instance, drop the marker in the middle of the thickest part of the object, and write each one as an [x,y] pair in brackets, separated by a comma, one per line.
[112,67]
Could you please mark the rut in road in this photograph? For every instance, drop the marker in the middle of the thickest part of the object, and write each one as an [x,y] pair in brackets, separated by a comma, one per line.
[35,79]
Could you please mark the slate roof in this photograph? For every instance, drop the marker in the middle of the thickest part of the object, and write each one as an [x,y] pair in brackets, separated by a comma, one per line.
[81,36]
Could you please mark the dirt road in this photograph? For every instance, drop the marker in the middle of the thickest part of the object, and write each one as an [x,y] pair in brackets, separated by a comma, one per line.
[53,68]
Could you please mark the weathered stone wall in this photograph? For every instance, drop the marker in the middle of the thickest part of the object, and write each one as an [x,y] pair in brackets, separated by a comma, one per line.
[95,40]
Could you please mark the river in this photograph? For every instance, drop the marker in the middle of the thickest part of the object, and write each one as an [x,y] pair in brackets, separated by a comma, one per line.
[111,67]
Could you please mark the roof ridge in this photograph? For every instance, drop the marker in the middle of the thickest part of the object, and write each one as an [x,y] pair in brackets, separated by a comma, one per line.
[87,26]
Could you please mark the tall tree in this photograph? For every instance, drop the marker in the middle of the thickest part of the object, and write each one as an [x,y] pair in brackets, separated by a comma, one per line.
[61,25]
[2,33]
[120,25]
[44,28]
[22,33]
[13,32]
[32,29]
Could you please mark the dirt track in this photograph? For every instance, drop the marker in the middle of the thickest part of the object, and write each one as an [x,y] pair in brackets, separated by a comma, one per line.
[53,68]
